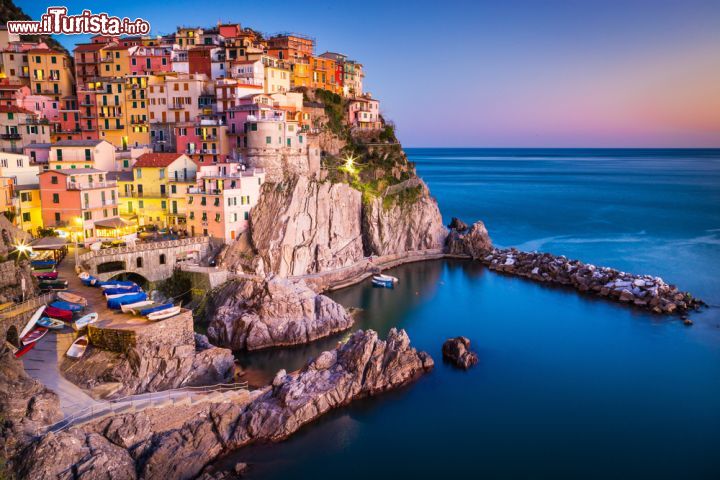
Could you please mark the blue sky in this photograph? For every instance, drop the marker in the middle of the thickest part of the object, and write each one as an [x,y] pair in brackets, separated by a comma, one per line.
[505,73]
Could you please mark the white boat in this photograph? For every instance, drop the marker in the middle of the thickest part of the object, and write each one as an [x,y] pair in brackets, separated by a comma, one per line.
[33,320]
[106,286]
[386,278]
[34,335]
[83,322]
[72,298]
[137,305]
[78,347]
[84,275]
[118,295]
[385,281]
[163,314]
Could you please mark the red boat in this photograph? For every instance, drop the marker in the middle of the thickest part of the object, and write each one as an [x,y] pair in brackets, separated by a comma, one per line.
[59,313]
[34,336]
[22,351]
[46,275]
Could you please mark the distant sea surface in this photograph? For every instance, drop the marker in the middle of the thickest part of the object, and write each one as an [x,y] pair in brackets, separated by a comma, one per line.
[568,386]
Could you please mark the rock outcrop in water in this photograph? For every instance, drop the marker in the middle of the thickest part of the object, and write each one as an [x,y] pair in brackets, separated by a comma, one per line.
[250,315]
[180,441]
[463,240]
[644,291]
[457,350]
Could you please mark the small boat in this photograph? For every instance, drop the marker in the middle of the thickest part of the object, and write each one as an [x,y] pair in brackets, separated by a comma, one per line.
[83,322]
[24,349]
[63,305]
[72,298]
[46,275]
[34,335]
[121,290]
[78,347]
[39,264]
[31,323]
[134,306]
[90,281]
[117,284]
[120,295]
[116,303]
[385,281]
[163,314]
[59,313]
[147,311]
[51,323]
[53,285]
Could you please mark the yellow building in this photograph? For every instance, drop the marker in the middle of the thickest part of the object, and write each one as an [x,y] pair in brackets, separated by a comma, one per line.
[115,61]
[50,73]
[122,110]
[300,73]
[276,75]
[28,208]
[156,193]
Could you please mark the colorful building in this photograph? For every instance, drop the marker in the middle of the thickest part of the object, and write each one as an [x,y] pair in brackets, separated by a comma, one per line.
[28,207]
[81,203]
[18,167]
[364,113]
[219,206]
[146,60]
[291,46]
[157,191]
[79,154]
[20,127]
[50,73]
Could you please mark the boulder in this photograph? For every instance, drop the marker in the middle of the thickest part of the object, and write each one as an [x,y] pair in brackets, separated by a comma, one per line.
[457,351]
[474,241]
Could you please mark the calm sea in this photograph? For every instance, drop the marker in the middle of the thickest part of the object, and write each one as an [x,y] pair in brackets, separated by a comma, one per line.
[568,386]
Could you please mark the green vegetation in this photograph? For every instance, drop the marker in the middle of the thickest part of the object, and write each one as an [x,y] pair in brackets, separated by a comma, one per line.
[335,108]
[177,286]
[9,11]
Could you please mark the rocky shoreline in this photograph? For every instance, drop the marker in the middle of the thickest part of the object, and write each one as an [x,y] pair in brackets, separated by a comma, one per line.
[182,442]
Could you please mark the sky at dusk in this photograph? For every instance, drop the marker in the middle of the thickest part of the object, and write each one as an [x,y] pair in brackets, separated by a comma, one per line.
[504,73]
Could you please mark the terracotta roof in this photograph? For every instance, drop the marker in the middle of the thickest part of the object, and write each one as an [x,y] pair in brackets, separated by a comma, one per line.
[89,47]
[118,47]
[13,109]
[44,50]
[150,160]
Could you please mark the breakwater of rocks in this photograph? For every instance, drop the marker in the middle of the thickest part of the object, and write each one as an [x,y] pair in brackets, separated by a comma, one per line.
[644,291]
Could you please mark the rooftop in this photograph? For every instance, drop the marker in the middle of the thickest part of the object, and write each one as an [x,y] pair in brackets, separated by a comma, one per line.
[150,160]
[77,143]
[74,171]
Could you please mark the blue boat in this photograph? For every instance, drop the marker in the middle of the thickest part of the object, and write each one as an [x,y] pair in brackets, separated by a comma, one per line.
[42,263]
[116,303]
[119,283]
[62,304]
[157,308]
[117,291]
[89,281]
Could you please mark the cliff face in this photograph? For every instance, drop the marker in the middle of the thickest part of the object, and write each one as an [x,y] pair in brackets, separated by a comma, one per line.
[254,315]
[182,441]
[303,226]
[406,219]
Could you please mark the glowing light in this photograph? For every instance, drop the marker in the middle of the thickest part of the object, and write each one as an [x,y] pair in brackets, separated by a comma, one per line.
[349,165]
[23,248]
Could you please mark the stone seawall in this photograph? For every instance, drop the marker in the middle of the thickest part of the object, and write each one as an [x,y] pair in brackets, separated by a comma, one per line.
[643,291]
[174,331]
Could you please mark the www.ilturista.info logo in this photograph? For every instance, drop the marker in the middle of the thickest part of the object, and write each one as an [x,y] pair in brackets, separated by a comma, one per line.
[57,21]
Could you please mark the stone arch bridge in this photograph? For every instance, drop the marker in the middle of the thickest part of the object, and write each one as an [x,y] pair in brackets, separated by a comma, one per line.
[154,261]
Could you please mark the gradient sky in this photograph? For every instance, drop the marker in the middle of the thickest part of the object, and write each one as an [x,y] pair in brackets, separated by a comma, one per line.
[504,73]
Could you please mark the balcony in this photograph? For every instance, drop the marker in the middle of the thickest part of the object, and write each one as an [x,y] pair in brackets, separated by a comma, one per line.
[10,136]
[145,195]
[112,127]
[175,106]
[110,114]
[90,185]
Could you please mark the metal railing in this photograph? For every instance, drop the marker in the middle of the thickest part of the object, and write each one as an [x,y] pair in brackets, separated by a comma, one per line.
[33,302]
[136,403]
[145,246]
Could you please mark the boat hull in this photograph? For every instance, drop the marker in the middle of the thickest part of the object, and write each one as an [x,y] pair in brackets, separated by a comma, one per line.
[116,303]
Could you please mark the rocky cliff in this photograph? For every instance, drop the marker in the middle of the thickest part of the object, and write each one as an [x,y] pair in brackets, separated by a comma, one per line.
[180,442]
[253,315]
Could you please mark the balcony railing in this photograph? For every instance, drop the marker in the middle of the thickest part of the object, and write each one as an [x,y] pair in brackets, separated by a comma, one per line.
[90,185]
[10,136]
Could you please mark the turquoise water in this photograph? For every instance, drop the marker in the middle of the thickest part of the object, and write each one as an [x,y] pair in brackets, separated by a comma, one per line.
[568,386]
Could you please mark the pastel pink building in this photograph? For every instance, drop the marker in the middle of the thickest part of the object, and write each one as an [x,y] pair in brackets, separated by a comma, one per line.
[44,107]
[219,206]
[145,60]
[81,202]
[364,113]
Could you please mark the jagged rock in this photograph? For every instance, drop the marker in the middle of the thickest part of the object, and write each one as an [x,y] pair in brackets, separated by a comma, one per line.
[457,224]
[254,315]
[402,226]
[302,226]
[474,241]
[457,350]
[180,442]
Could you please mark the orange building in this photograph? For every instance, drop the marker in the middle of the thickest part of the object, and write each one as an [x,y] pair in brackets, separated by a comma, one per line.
[291,46]
[50,73]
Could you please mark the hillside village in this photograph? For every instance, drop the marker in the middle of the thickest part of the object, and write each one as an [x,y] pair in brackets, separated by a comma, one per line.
[175,133]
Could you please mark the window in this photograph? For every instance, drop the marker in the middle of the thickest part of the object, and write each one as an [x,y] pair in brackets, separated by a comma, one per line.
[217,217]
[56,198]
[162,259]
[268,140]
[26,217]
[87,215]
[59,154]
[203,201]
[57,217]
[139,172]
[192,215]
[204,217]
[247,215]
[139,262]
[87,154]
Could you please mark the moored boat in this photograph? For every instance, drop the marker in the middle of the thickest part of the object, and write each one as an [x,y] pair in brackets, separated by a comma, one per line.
[34,335]
[121,290]
[83,322]
[46,275]
[24,349]
[163,314]
[380,281]
[78,347]
[72,298]
[53,285]
[156,308]
[116,303]
[63,305]
[116,284]
[51,323]
[39,264]
[132,307]
[33,320]
[59,313]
